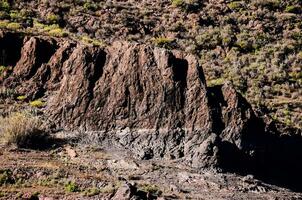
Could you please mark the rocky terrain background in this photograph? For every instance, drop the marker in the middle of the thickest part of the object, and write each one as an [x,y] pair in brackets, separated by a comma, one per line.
[151,102]
[255,44]
[141,93]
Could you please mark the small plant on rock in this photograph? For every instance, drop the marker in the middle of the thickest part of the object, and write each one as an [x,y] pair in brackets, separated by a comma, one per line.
[71,187]
[37,103]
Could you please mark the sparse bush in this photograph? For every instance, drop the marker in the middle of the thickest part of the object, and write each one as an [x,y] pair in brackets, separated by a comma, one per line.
[187,6]
[14,15]
[270,4]
[4,15]
[6,177]
[37,103]
[293,9]
[209,39]
[58,32]
[2,69]
[7,93]
[95,42]
[4,5]
[53,18]
[23,130]
[90,6]
[178,3]
[214,82]
[163,42]
[71,187]
[3,24]
[13,26]
[53,30]
[151,189]
[21,98]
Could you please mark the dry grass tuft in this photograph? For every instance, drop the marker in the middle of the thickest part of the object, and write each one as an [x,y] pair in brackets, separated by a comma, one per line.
[23,130]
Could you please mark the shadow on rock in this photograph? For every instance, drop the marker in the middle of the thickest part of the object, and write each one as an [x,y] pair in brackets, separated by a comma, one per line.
[273,158]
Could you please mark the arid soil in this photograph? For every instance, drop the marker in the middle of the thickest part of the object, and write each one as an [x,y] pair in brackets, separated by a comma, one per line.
[103,173]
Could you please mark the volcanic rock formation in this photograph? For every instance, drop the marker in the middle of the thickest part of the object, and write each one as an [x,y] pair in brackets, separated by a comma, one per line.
[144,89]
[149,100]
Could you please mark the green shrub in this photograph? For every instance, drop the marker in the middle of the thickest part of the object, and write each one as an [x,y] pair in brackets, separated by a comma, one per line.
[95,42]
[53,18]
[2,69]
[71,187]
[15,15]
[235,5]
[6,177]
[293,9]
[178,3]
[214,82]
[187,6]
[53,30]
[90,6]
[21,98]
[4,5]
[58,32]
[37,103]
[151,189]
[210,39]
[13,26]
[4,15]
[270,4]
[3,24]
[163,42]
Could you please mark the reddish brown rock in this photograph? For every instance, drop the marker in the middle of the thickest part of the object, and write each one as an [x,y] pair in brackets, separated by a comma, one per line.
[154,101]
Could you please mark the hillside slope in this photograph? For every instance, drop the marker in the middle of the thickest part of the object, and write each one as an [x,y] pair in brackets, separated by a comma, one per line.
[255,44]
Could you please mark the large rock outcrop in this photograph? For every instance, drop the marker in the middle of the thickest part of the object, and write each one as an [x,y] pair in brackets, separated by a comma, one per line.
[154,101]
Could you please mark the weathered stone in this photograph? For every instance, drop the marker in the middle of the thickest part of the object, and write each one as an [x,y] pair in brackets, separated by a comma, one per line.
[153,101]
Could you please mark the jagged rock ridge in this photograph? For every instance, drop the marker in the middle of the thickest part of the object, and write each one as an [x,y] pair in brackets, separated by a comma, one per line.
[160,96]
[149,100]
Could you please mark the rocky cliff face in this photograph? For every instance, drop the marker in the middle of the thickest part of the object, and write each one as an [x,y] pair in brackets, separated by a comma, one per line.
[152,101]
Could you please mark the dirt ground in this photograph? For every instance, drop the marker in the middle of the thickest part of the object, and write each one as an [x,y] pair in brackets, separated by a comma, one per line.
[83,172]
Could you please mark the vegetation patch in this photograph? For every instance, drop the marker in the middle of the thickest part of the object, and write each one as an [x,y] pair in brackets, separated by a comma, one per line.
[215,82]
[71,187]
[23,130]
[13,26]
[94,42]
[151,189]
[6,177]
[37,103]
[163,42]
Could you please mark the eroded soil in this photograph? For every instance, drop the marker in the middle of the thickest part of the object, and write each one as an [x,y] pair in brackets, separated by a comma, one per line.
[72,171]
